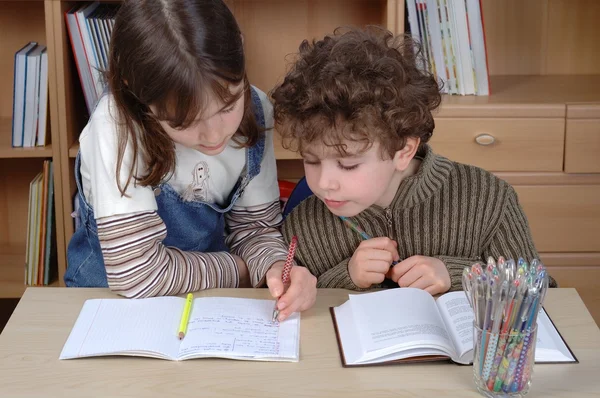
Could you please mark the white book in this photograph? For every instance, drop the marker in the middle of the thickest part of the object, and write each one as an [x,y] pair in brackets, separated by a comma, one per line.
[42,121]
[435,35]
[372,331]
[221,327]
[19,88]
[32,96]
[413,21]
[449,50]
[461,36]
[478,47]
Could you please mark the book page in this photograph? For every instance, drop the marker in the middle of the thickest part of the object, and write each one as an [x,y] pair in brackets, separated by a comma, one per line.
[550,346]
[144,327]
[458,317]
[392,320]
[239,329]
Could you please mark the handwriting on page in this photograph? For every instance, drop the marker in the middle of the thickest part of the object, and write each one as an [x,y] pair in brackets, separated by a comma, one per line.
[251,335]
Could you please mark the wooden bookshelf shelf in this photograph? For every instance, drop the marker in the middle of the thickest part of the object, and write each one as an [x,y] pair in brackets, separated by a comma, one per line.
[7,151]
[525,96]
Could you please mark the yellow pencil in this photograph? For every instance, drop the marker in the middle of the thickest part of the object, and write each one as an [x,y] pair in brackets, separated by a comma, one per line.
[185,317]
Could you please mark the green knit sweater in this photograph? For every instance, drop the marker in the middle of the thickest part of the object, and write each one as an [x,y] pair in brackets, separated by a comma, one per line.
[457,213]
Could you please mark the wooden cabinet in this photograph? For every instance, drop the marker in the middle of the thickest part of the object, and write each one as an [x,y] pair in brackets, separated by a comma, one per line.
[582,141]
[563,218]
[502,144]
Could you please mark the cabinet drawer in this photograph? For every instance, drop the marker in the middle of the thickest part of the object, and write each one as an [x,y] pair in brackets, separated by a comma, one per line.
[502,144]
[582,146]
[563,218]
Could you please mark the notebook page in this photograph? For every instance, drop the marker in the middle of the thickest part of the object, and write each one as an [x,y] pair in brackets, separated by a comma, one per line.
[398,319]
[239,328]
[126,327]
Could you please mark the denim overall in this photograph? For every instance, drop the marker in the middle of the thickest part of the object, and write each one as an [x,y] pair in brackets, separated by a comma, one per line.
[191,225]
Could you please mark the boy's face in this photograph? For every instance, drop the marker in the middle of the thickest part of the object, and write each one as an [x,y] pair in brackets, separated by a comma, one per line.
[350,184]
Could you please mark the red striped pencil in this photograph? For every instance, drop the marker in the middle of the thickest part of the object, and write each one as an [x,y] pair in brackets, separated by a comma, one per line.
[287,268]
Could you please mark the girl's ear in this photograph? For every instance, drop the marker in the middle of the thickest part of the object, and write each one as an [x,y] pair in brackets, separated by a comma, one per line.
[403,157]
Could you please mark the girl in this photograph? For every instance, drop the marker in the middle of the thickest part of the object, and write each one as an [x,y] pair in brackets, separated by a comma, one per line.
[176,175]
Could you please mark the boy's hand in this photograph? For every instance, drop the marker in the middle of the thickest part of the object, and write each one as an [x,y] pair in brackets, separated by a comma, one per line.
[371,261]
[427,273]
[299,296]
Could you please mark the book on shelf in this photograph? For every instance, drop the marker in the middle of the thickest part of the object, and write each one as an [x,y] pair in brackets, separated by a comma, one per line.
[452,37]
[40,257]
[19,89]
[408,325]
[218,327]
[90,27]
[30,96]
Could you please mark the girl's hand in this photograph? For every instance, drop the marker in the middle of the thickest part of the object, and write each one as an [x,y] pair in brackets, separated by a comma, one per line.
[299,296]
[371,261]
[427,273]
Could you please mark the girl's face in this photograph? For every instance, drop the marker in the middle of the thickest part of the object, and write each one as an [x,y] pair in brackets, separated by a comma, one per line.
[213,128]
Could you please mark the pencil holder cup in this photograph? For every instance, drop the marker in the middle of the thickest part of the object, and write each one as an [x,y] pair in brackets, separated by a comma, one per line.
[503,362]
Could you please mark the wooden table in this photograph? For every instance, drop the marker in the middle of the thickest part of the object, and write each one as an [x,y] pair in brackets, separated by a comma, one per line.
[34,336]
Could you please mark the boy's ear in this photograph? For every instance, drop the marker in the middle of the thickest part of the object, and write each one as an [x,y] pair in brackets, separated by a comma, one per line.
[403,157]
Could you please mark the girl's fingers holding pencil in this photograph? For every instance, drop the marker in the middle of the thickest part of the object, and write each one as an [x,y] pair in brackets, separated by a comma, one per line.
[274,282]
[301,294]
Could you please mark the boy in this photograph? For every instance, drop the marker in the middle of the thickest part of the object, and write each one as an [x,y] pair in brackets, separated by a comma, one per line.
[359,111]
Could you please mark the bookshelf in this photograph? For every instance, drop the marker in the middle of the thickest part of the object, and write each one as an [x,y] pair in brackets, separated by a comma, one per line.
[21,22]
[543,112]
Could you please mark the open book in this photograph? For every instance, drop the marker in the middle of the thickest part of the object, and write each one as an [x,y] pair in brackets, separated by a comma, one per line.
[409,325]
[223,327]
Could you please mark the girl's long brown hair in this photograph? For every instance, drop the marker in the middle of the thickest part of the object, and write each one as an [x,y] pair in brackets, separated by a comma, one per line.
[171,54]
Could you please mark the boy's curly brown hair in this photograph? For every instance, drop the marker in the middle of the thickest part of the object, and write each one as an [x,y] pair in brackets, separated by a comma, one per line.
[360,85]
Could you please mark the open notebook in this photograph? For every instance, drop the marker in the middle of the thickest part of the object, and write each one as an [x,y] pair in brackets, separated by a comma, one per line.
[222,327]
[409,325]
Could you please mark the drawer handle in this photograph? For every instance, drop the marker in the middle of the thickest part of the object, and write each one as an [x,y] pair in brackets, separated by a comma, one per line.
[485,139]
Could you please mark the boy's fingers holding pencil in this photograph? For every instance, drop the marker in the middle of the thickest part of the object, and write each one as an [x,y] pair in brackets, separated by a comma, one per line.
[382,243]
[402,268]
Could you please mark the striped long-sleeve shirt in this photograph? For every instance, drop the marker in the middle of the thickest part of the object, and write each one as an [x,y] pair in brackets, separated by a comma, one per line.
[139,265]
[457,213]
